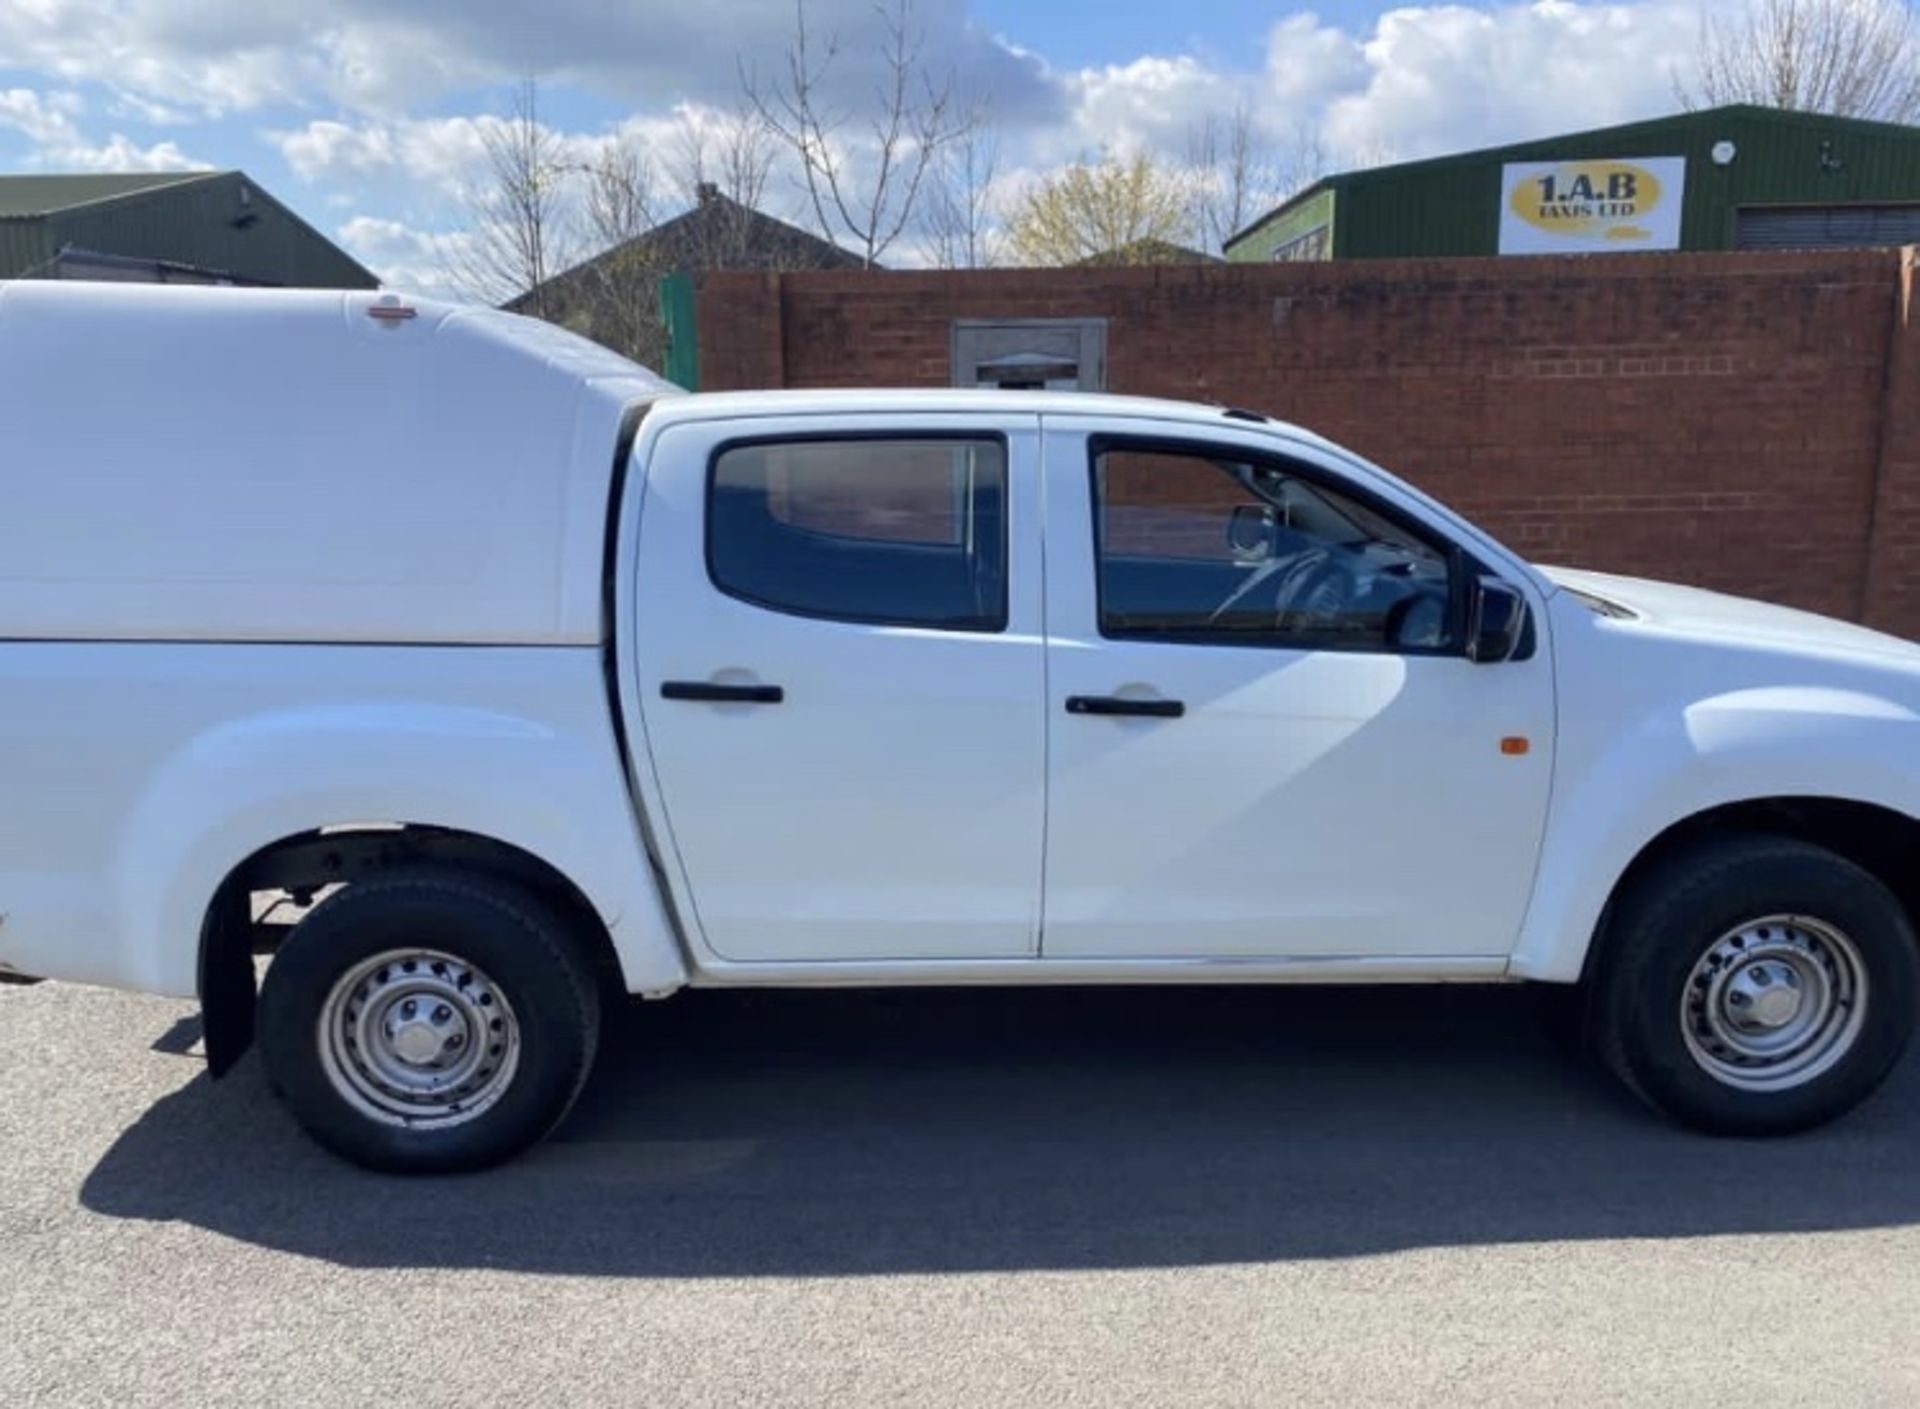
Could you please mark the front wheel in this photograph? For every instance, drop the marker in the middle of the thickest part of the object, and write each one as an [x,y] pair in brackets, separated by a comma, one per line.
[429,1021]
[1756,986]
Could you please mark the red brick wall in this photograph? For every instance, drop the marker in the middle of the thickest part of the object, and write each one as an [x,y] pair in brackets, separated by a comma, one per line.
[1745,422]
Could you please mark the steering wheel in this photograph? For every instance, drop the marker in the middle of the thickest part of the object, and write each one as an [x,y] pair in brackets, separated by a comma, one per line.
[1318,585]
[1311,582]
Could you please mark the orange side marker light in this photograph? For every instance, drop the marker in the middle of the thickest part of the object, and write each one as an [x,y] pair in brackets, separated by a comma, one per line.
[1514,745]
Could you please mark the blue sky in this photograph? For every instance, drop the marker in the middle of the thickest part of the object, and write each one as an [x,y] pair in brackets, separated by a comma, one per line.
[1228,32]
[368,116]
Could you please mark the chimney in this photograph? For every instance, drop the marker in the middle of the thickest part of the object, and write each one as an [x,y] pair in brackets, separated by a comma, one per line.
[706,191]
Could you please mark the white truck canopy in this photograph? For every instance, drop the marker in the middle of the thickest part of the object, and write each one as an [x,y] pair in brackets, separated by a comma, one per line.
[292,465]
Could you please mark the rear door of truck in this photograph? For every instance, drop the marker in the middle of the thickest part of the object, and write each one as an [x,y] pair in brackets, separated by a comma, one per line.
[842,682]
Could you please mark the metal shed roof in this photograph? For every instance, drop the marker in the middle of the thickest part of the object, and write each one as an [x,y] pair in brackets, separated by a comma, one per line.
[214,221]
[34,195]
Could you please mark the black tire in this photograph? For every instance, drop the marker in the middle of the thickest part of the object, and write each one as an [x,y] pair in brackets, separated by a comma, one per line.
[534,961]
[1676,912]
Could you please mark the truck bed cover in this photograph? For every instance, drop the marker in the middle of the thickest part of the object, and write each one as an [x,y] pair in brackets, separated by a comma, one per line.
[297,465]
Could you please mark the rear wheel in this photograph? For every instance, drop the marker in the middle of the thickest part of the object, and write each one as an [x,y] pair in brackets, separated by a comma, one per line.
[429,1020]
[1756,985]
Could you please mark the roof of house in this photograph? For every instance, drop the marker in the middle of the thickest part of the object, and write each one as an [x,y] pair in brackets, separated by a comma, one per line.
[1149,252]
[1541,148]
[751,230]
[28,197]
[717,233]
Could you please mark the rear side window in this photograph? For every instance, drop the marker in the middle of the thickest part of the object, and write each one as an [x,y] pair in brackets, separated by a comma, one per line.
[907,532]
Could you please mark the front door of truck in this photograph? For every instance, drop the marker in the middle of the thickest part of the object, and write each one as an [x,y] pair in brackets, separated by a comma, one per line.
[1266,739]
[842,683]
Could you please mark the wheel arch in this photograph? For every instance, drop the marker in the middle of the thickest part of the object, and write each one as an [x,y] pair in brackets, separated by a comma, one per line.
[305,863]
[1880,839]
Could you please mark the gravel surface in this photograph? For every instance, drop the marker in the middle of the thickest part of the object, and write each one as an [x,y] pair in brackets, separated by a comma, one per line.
[1046,1198]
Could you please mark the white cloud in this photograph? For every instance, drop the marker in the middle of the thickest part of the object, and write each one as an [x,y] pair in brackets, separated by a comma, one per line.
[122,153]
[207,56]
[432,169]
[1308,62]
[403,256]
[440,152]
[1418,80]
[42,118]
[1444,77]
[390,57]
[1151,102]
[49,123]
[154,114]
[446,154]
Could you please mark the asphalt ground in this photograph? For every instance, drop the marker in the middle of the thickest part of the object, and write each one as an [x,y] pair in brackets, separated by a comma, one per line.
[1149,1197]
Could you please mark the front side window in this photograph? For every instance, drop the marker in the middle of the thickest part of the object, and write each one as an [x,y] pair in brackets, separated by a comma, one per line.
[1213,548]
[906,532]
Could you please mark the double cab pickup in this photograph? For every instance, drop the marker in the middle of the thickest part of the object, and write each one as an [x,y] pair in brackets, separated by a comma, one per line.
[406,682]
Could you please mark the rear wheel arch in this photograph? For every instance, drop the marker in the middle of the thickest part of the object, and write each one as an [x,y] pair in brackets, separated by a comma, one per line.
[309,862]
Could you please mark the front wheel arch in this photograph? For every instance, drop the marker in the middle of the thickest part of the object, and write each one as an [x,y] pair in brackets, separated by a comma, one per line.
[1880,840]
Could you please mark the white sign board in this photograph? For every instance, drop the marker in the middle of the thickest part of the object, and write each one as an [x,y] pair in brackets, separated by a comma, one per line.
[1594,206]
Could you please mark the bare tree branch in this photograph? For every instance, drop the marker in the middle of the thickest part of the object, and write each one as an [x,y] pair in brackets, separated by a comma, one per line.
[729,157]
[1238,176]
[614,297]
[864,191]
[960,201]
[1851,58]
[619,194]
[518,234]
[716,166]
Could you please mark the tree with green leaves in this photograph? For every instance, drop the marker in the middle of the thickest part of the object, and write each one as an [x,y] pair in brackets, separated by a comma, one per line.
[1112,210]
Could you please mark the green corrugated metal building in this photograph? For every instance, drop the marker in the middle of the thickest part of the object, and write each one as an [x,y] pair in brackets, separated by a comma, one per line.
[1723,178]
[209,227]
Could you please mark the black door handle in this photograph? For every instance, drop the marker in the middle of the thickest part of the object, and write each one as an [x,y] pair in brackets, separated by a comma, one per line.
[713,693]
[1115,705]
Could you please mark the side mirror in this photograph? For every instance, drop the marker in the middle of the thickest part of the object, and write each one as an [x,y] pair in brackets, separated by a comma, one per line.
[1250,531]
[1497,623]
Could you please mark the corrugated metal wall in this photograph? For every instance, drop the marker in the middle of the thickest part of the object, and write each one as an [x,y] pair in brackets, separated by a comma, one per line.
[207,223]
[1452,205]
[23,246]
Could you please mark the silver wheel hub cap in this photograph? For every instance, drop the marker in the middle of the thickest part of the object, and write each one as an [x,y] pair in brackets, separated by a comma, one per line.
[1764,995]
[419,1038]
[1774,1003]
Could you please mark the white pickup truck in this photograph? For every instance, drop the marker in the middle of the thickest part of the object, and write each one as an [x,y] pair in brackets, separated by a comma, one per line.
[522,680]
